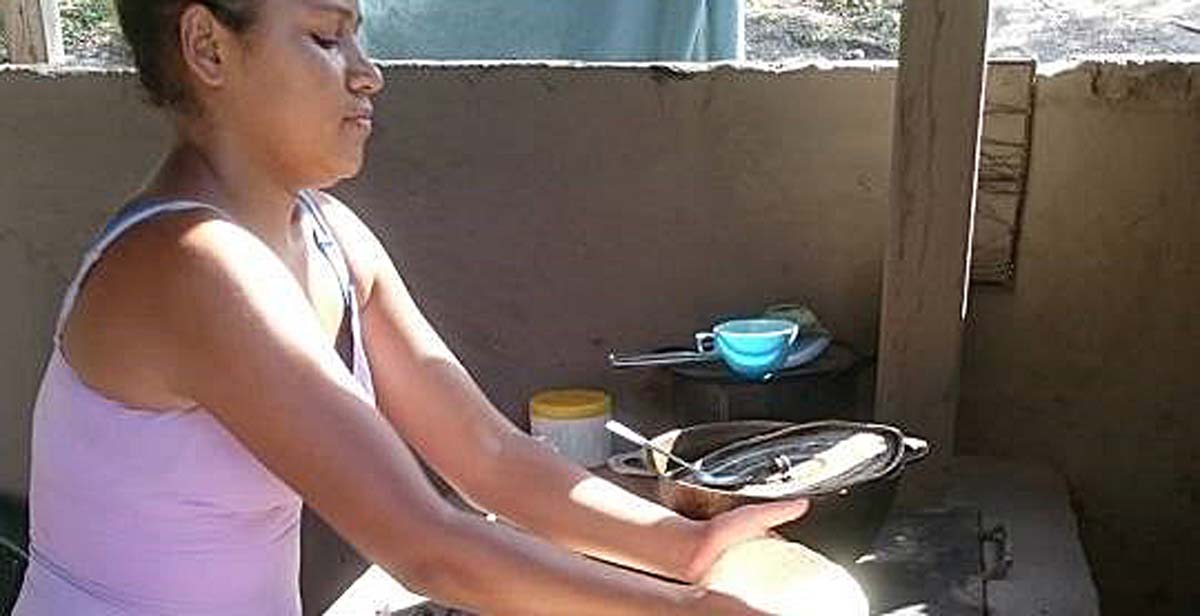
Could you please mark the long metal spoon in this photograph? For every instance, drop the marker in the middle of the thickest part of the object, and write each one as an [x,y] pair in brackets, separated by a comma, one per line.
[701,475]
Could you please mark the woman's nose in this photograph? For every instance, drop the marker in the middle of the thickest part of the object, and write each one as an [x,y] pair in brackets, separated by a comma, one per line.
[365,77]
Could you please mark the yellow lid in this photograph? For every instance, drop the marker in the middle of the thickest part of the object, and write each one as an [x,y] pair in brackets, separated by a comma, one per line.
[569,403]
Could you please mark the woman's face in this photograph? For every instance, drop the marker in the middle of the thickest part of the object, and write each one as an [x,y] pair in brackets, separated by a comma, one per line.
[298,93]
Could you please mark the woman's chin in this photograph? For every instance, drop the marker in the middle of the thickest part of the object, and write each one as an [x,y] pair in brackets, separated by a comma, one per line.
[343,168]
[352,169]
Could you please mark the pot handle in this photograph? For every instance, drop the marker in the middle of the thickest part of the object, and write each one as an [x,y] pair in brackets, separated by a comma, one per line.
[998,559]
[630,463]
[915,449]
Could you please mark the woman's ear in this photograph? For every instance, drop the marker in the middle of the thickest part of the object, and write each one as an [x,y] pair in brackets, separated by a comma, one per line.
[204,45]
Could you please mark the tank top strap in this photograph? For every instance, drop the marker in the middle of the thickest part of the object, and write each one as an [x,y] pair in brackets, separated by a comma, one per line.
[353,350]
[327,243]
[129,216]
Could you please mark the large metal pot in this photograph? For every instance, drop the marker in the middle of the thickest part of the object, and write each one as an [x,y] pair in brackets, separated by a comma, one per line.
[842,522]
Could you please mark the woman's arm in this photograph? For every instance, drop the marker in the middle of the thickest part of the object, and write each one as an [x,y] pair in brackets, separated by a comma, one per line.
[436,407]
[237,335]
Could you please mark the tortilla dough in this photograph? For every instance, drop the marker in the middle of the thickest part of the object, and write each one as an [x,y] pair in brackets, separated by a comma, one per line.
[786,579]
[833,462]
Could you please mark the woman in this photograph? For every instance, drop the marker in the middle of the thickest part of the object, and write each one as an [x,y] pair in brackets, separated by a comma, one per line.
[237,341]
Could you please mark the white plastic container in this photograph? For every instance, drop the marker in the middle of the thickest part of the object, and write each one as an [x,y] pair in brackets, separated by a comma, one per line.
[572,420]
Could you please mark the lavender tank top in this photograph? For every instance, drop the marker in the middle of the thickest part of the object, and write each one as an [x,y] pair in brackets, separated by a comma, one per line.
[136,512]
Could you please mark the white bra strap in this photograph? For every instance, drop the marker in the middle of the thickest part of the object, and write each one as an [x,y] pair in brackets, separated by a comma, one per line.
[123,221]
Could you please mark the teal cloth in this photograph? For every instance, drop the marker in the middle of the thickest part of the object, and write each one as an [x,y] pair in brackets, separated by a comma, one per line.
[591,30]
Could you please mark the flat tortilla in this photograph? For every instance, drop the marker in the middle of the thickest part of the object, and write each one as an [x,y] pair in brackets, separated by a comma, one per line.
[786,579]
[838,460]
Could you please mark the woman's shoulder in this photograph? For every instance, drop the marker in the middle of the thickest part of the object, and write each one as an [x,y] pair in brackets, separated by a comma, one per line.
[142,250]
[170,242]
[143,285]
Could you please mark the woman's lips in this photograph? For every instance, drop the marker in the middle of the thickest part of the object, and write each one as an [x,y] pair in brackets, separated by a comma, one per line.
[360,115]
[361,122]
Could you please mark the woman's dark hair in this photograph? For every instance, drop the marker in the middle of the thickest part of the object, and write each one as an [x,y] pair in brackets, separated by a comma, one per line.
[152,29]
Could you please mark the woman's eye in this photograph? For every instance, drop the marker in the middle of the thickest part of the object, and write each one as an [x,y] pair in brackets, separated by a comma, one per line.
[324,42]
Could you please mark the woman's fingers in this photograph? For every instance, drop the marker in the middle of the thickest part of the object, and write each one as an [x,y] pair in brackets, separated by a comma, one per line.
[770,515]
[745,522]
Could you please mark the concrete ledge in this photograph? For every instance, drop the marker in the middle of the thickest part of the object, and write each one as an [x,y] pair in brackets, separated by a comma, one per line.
[1049,573]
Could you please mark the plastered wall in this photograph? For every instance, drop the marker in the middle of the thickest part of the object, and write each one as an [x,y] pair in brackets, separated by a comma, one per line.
[544,217]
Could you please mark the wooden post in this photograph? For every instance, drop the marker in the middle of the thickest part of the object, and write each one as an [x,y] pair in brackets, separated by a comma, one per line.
[33,31]
[939,94]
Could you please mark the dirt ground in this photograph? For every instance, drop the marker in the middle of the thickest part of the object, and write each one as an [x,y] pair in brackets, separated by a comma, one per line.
[1048,30]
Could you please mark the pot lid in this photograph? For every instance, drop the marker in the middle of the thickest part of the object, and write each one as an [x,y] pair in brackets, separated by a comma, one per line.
[810,459]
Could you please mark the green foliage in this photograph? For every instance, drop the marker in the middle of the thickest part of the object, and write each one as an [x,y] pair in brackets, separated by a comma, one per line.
[868,21]
[857,8]
[90,30]
[828,29]
[83,21]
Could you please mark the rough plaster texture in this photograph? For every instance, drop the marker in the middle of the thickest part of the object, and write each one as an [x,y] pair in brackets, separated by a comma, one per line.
[544,217]
[1089,363]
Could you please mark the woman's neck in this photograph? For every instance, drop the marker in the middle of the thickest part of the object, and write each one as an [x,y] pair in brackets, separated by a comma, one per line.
[217,173]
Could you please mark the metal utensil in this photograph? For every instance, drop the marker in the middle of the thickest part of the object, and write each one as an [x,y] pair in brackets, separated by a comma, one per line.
[701,475]
[666,358]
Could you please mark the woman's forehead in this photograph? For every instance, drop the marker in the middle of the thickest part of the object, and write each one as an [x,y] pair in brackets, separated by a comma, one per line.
[347,9]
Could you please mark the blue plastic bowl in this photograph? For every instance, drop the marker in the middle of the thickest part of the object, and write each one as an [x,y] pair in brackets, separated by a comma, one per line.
[752,348]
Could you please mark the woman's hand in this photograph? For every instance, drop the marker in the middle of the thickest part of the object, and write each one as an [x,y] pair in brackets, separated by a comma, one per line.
[717,604]
[738,525]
